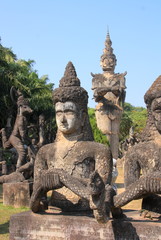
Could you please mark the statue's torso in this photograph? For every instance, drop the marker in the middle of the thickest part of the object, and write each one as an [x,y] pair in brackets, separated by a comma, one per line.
[143,158]
[79,159]
[20,123]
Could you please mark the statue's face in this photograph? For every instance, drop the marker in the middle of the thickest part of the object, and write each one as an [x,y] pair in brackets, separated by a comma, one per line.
[68,117]
[156,112]
[108,64]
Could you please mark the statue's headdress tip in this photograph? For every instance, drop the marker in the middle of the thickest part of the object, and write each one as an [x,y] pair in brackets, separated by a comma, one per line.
[70,78]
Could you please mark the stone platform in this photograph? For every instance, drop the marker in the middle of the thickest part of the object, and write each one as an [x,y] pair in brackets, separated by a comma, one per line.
[56,226]
[17,194]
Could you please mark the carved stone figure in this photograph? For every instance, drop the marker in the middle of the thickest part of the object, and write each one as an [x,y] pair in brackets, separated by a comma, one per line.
[143,161]
[78,169]
[128,142]
[109,92]
[18,137]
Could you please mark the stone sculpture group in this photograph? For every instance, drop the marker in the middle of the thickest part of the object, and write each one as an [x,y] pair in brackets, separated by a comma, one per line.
[80,172]
[77,169]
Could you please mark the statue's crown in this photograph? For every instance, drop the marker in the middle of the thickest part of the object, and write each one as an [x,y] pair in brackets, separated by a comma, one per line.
[70,77]
[70,89]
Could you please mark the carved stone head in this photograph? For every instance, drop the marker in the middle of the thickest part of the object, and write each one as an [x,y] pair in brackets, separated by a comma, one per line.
[108,59]
[70,101]
[153,101]
[68,117]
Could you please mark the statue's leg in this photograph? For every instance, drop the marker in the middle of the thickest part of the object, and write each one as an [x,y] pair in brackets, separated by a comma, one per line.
[17,144]
[6,142]
[144,185]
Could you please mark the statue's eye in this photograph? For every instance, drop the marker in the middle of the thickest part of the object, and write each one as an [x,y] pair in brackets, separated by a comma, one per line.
[58,114]
[68,113]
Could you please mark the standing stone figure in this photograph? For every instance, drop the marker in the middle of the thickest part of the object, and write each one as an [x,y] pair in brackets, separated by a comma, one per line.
[18,137]
[143,161]
[78,169]
[109,92]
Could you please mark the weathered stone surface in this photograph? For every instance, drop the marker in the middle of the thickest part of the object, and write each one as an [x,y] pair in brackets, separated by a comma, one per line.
[47,226]
[17,194]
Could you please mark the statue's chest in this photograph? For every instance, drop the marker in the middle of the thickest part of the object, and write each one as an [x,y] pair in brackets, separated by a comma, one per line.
[150,157]
[78,162]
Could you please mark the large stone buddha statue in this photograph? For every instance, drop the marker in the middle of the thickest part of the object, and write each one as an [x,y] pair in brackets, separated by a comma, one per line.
[76,168]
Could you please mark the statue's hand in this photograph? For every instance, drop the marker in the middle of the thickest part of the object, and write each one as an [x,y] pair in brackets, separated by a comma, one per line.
[96,184]
[50,180]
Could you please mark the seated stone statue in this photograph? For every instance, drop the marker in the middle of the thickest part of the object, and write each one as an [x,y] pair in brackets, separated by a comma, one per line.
[143,160]
[78,169]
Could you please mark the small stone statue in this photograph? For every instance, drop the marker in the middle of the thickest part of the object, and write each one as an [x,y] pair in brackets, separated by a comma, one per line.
[18,137]
[78,169]
[109,91]
[143,161]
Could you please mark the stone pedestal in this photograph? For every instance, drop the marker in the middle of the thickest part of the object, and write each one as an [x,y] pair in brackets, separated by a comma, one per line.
[17,194]
[56,226]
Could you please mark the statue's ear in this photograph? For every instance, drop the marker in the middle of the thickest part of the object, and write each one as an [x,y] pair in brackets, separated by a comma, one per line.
[83,117]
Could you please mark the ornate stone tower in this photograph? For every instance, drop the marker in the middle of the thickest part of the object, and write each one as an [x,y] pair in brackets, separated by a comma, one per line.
[109,92]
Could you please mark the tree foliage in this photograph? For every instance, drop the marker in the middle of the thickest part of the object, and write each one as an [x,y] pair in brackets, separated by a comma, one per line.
[21,74]
[132,117]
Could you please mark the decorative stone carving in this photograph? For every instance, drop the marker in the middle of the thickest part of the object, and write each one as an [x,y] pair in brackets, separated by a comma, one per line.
[19,141]
[143,160]
[79,168]
[109,92]
[18,136]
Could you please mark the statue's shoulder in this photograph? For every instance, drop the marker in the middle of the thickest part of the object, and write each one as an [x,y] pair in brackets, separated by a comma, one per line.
[98,77]
[142,148]
[93,146]
[46,149]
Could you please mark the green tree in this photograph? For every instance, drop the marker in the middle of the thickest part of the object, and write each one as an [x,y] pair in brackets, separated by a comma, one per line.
[21,74]
[132,116]
[125,125]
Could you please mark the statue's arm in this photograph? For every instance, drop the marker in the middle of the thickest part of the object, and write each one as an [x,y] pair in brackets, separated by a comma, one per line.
[104,164]
[131,167]
[40,164]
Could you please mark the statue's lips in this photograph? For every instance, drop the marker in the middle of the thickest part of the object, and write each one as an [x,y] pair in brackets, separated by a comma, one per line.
[64,126]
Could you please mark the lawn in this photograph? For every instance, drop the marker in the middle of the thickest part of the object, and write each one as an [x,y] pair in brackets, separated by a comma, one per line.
[7,211]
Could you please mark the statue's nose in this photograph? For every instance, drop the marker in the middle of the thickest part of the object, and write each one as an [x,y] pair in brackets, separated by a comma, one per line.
[63,119]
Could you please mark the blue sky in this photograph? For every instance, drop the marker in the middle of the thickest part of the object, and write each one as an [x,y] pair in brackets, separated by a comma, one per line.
[53,32]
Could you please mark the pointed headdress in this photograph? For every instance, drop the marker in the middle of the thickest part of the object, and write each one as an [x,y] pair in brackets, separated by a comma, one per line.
[70,89]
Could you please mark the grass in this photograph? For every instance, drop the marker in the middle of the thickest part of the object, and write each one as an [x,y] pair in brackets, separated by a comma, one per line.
[7,211]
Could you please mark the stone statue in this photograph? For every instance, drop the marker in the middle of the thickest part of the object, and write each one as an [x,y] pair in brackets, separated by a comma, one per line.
[18,137]
[143,161]
[78,169]
[109,92]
